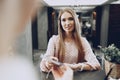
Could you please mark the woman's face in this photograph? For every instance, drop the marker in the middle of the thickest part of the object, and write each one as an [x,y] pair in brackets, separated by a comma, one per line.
[67,22]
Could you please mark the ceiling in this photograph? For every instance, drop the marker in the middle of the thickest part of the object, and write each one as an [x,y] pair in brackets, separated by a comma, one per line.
[77,5]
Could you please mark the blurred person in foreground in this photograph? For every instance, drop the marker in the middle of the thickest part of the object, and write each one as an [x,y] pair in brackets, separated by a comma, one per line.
[68,48]
[14,15]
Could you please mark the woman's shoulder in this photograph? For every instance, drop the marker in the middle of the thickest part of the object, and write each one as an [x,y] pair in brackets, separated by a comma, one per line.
[83,39]
[55,37]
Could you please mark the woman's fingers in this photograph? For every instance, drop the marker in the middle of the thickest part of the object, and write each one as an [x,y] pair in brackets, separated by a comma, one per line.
[49,63]
[98,68]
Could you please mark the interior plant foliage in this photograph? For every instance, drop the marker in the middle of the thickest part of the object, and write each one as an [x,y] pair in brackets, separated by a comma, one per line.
[111,53]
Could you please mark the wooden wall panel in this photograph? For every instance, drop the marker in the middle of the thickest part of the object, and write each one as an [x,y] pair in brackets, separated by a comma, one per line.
[114,25]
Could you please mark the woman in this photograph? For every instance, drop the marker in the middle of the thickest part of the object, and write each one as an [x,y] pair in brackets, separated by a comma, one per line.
[69,47]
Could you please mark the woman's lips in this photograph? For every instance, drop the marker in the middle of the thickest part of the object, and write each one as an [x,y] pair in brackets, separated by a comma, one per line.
[68,27]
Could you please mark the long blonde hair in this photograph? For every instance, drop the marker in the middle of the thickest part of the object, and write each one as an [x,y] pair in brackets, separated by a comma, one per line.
[76,35]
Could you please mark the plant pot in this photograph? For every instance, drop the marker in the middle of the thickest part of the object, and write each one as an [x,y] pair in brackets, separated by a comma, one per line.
[115,73]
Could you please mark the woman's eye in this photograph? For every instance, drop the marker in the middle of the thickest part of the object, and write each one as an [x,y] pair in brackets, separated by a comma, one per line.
[63,20]
[70,19]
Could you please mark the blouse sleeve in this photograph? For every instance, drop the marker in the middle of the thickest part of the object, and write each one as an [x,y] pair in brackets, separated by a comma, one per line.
[89,55]
[49,52]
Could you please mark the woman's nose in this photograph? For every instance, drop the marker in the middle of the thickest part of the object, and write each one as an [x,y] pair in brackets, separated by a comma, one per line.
[67,22]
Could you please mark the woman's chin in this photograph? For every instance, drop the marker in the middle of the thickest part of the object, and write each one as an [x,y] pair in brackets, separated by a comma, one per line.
[68,31]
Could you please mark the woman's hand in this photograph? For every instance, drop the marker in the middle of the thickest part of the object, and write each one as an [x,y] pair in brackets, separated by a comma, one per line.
[49,64]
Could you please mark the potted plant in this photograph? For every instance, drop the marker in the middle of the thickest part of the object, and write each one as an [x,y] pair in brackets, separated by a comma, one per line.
[112,57]
[111,53]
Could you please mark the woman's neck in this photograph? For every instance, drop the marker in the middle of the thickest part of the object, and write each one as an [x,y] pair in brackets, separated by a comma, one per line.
[68,37]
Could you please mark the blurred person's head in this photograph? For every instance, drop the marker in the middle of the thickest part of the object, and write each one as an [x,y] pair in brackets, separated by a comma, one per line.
[14,15]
